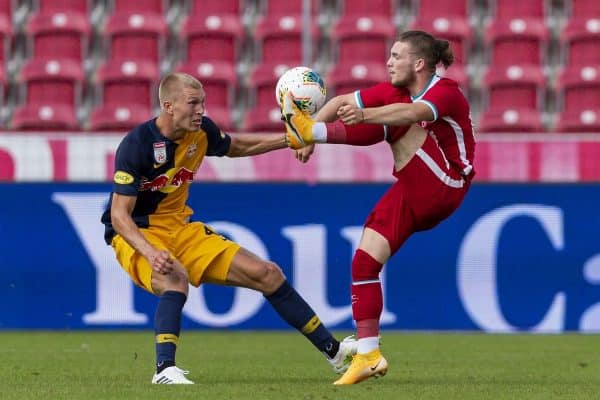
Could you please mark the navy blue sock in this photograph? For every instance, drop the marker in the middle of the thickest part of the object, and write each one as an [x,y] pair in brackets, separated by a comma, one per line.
[296,312]
[167,325]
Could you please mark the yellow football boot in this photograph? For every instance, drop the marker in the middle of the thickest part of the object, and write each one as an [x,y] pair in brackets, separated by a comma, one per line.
[364,366]
[298,125]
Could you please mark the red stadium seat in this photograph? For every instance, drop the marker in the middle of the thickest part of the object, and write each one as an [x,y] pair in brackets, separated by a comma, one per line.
[221,116]
[580,41]
[454,29]
[456,72]
[509,9]
[579,121]
[59,35]
[59,80]
[346,78]
[45,117]
[262,83]
[212,7]
[128,82]
[510,120]
[278,7]
[136,36]
[384,8]
[118,117]
[582,8]
[579,88]
[218,79]
[213,37]
[431,9]
[131,7]
[264,119]
[514,86]
[517,41]
[6,8]
[280,38]
[56,6]
[363,38]
[5,37]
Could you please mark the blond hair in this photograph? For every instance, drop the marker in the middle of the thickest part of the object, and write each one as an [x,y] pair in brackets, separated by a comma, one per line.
[172,85]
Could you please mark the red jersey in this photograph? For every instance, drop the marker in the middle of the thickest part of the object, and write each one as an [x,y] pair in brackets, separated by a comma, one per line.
[380,95]
[451,126]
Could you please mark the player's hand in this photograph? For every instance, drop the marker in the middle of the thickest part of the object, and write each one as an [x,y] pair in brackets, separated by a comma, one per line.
[303,154]
[350,115]
[161,262]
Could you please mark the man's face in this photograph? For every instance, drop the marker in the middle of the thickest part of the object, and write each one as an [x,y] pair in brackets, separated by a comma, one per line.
[188,109]
[401,65]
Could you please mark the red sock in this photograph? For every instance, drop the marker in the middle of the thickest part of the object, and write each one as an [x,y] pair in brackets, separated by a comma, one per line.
[367,298]
[355,135]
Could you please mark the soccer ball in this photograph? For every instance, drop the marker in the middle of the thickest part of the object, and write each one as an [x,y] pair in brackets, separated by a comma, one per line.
[307,88]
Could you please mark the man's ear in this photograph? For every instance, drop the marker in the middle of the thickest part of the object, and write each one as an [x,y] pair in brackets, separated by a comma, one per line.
[419,64]
[168,107]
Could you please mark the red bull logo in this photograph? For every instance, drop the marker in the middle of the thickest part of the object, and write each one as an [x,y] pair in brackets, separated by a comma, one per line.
[169,181]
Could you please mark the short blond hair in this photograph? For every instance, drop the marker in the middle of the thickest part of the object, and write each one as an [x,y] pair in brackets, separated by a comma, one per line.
[172,85]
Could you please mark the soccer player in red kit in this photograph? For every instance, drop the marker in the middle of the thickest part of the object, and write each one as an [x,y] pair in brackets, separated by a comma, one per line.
[426,121]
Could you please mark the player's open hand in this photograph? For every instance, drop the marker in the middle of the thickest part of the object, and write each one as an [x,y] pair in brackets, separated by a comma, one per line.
[161,262]
[303,154]
[350,114]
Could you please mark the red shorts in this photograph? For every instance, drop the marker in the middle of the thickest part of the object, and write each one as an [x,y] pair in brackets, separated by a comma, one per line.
[426,192]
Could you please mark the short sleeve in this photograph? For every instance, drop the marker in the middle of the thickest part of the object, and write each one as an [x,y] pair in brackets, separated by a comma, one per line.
[373,96]
[126,179]
[442,98]
[218,141]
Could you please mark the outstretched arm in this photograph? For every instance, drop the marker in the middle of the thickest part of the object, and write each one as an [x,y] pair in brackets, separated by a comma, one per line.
[395,114]
[243,145]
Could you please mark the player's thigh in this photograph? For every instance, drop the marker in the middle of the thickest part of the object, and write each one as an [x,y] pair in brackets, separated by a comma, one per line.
[205,254]
[375,244]
[136,265]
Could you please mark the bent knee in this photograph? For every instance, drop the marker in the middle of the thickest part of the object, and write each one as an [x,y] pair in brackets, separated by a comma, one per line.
[176,280]
[269,277]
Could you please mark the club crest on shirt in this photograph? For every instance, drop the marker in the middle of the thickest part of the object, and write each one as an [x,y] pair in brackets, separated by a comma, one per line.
[191,150]
[160,152]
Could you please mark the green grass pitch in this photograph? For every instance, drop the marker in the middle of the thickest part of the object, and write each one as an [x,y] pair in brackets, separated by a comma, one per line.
[283,365]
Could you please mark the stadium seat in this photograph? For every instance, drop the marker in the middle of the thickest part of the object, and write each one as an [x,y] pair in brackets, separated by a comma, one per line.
[431,9]
[45,117]
[5,37]
[6,8]
[59,80]
[509,9]
[383,8]
[458,73]
[579,88]
[218,79]
[518,86]
[57,6]
[362,38]
[510,120]
[586,120]
[212,7]
[279,38]
[128,83]
[263,119]
[517,41]
[136,36]
[221,116]
[454,29]
[213,37]
[346,78]
[132,7]
[278,7]
[582,8]
[118,117]
[262,82]
[580,39]
[59,35]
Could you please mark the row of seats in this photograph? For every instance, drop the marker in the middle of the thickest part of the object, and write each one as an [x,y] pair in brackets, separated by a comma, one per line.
[56,77]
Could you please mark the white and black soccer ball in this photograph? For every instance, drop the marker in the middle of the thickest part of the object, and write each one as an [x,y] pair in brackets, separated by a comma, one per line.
[307,88]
